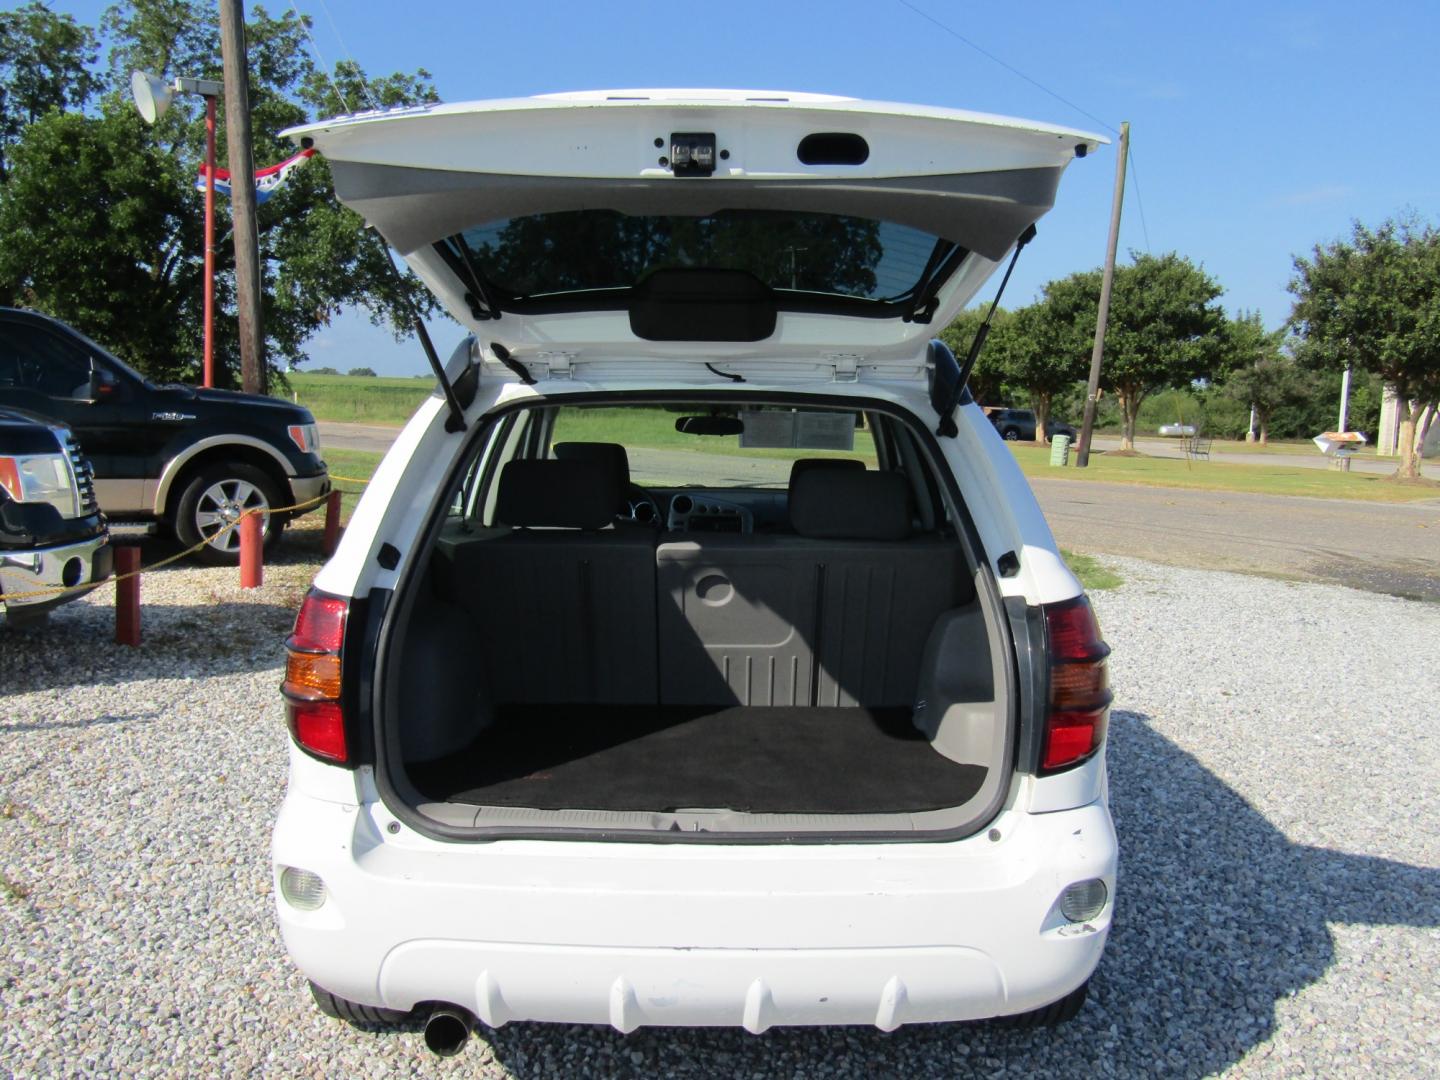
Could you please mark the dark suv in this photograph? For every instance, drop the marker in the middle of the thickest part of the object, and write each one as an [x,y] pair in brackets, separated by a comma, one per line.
[191,459]
[1019,424]
[52,534]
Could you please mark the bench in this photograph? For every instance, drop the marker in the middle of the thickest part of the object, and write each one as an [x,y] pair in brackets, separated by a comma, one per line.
[1197,446]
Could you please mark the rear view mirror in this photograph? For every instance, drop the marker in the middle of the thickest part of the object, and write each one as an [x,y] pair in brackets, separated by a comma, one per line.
[709,425]
[103,383]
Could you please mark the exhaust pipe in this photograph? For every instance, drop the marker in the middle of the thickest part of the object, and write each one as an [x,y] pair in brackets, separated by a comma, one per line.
[447,1028]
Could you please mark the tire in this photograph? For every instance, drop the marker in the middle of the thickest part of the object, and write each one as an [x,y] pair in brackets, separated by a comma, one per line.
[1011,434]
[211,498]
[1052,1015]
[353,1012]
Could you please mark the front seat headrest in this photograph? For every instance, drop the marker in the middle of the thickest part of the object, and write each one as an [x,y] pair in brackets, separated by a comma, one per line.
[850,504]
[536,493]
[611,455]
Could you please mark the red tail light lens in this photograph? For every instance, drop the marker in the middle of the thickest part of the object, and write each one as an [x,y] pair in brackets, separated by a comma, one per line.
[1079,705]
[312,678]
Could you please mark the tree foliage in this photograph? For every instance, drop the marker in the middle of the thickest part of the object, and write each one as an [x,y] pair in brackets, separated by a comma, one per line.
[1374,301]
[101,223]
[1042,353]
[45,63]
[1262,376]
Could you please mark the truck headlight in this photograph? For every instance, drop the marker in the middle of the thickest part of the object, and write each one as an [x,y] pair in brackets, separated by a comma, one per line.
[40,478]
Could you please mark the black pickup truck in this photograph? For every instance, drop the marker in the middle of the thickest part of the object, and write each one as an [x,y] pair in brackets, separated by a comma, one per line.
[52,533]
[192,460]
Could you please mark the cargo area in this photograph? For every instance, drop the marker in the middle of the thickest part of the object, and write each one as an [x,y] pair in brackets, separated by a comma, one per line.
[820,660]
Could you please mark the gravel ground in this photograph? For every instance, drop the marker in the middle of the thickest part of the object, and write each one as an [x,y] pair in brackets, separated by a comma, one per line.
[1273,774]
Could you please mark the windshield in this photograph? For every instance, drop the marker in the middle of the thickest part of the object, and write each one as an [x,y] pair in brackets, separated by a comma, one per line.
[587,250]
[661,456]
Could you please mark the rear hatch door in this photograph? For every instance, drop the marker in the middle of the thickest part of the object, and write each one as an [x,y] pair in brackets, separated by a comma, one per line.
[764,229]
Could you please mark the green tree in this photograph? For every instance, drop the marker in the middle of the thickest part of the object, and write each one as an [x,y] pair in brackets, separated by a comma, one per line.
[1165,328]
[365,371]
[44,65]
[316,256]
[1262,376]
[987,381]
[1374,301]
[1041,352]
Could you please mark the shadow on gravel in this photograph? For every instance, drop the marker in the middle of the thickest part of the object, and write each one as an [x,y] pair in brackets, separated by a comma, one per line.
[76,646]
[1220,917]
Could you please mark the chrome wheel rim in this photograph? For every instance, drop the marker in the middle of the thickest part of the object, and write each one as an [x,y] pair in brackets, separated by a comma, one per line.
[221,505]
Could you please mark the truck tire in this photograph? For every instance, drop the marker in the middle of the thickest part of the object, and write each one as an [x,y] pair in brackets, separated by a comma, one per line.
[1011,434]
[353,1012]
[214,497]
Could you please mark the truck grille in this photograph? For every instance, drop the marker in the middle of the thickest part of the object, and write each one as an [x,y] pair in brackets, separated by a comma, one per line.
[84,475]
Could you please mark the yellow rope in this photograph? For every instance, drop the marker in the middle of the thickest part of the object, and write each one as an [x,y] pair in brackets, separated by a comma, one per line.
[61,590]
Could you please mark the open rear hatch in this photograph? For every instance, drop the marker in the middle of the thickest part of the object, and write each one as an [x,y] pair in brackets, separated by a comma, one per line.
[771,227]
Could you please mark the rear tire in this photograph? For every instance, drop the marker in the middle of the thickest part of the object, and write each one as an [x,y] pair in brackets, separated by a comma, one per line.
[1011,434]
[1052,1015]
[352,1012]
[213,497]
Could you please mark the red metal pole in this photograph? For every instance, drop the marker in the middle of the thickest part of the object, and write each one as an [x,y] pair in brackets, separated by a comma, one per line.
[209,240]
[332,523]
[127,596]
[252,565]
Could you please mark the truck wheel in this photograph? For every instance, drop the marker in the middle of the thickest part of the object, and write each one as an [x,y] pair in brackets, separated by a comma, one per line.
[216,497]
[1011,434]
[1052,1015]
[353,1012]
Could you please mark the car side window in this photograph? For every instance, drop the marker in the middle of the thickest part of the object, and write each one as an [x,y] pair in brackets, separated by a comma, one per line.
[32,358]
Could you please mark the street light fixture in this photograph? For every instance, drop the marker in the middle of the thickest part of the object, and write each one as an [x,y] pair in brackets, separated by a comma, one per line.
[152,97]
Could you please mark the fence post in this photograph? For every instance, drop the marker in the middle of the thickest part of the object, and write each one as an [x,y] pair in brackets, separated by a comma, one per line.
[332,523]
[127,596]
[252,566]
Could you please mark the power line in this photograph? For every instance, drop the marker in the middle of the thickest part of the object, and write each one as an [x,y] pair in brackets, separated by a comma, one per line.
[1013,70]
[324,67]
[364,85]
[1139,202]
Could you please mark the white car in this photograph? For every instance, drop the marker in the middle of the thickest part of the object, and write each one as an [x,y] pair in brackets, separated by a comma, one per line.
[698,655]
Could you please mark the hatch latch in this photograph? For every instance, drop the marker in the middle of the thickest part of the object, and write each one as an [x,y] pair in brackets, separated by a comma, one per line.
[558,365]
[846,365]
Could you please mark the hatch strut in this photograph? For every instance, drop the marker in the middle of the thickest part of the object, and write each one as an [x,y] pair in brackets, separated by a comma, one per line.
[980,335]
[456,422]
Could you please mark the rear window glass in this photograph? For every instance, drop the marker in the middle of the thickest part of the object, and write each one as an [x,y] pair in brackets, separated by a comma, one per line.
[586,250]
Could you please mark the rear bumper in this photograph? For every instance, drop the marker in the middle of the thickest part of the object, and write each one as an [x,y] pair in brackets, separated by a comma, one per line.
[82,565]
[652,934]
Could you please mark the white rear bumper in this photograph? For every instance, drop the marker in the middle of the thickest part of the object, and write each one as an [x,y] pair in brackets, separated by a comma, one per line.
[690,934]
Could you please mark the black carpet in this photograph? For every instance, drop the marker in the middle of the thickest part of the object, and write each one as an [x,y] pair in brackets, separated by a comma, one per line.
[755,760]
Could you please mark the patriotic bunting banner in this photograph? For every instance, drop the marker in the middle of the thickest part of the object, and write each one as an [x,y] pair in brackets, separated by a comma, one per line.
[267,181]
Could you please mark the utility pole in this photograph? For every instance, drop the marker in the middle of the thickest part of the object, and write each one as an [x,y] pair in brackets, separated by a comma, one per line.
[1092,389]
[242,194]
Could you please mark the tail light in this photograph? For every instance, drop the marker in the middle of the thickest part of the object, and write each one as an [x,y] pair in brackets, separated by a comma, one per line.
[312,678]
[1079,703]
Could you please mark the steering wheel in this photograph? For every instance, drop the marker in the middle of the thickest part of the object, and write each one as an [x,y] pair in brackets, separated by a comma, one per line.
[641,507]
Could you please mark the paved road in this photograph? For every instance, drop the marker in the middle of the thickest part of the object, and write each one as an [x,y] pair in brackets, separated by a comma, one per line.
[1380,547]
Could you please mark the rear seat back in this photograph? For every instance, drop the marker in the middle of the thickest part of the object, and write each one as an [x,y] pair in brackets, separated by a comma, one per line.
[564,602]
[838,615]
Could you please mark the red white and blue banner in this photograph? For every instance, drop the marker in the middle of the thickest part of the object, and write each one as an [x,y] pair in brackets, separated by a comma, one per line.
[267,181]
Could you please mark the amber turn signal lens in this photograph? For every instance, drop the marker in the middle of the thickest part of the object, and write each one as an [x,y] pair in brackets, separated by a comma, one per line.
[1078,686]
[312,675]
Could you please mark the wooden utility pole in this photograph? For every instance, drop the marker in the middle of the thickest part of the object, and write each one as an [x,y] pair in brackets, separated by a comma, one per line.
[1092,389]
[242,194]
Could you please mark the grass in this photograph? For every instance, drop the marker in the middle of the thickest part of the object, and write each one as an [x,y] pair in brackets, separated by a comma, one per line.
[360,399]
[1224,476]
[357,465]
[654,429]
[1091,574]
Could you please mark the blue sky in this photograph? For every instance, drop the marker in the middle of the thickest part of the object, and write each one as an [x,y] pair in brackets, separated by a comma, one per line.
[1259,129]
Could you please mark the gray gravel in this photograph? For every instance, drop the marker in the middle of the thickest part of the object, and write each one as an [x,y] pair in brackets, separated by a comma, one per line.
[1274,779]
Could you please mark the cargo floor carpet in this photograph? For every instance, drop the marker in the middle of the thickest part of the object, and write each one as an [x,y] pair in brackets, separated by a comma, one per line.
[754,760]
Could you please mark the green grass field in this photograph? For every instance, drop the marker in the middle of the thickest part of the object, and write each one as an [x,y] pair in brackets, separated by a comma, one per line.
[1224,476]
[654,429]
[360,399]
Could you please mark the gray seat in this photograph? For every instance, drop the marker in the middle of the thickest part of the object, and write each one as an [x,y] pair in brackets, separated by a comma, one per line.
[563,601]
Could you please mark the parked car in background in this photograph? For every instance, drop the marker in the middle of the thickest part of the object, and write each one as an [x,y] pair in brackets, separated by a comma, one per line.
[1176,431]
[586,733]
[52,533]
[190,459]
[1019,425]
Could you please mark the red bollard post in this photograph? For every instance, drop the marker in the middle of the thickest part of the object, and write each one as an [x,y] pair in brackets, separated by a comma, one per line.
[332,523]
[252,569]
[127,596]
